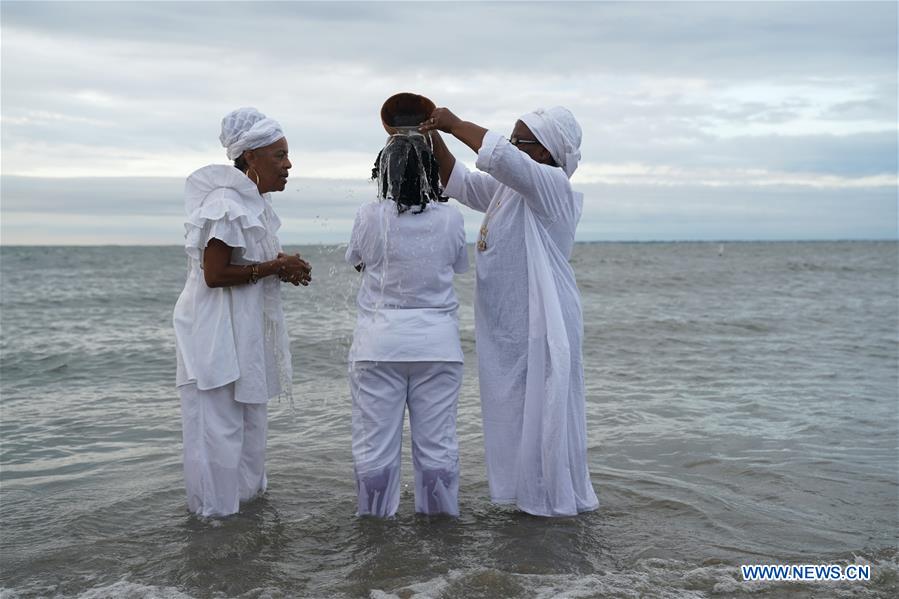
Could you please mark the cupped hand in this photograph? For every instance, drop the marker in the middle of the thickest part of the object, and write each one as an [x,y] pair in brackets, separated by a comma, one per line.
[293,269]
[442,119]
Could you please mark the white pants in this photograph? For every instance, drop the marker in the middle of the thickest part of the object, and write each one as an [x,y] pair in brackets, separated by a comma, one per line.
[224,449]
[381,391]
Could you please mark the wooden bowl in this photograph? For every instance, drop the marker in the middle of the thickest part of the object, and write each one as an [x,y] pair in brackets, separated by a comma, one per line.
[405,111]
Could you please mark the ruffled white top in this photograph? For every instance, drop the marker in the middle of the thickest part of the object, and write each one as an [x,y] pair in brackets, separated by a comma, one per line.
[232,334]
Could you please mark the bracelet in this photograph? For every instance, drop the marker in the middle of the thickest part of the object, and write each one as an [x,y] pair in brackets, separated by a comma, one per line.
[254,273]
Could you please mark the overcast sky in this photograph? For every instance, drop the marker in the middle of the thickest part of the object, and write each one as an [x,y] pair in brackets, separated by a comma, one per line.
[712,120]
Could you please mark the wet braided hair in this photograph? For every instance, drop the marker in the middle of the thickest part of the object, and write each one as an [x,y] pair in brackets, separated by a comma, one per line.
[407,173]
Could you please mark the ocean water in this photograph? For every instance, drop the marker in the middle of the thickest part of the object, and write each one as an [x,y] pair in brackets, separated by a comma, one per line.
[742,408]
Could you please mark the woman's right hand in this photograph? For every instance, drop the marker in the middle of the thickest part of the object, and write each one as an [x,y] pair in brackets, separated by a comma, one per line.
[293,269]
[442,119]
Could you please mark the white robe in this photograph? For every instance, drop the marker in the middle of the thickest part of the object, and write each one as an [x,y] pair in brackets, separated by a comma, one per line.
[529,330]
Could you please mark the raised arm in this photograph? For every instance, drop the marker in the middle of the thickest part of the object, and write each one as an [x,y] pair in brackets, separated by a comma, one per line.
[442,119]
[545,188]
[474,190]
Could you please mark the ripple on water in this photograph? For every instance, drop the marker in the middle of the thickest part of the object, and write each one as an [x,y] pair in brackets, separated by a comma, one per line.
[738,410]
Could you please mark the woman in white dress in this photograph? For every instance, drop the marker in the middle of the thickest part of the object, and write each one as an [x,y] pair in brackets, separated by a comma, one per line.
[528,317]
[232,347]
[406,349]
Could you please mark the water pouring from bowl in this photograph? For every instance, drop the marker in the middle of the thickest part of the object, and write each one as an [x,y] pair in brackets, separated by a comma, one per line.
[403,113]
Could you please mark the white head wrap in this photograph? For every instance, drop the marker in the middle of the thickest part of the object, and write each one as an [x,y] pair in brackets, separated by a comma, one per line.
[558,131]
[248,129]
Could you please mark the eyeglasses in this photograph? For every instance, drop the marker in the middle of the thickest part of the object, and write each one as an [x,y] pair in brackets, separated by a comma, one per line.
[517,142]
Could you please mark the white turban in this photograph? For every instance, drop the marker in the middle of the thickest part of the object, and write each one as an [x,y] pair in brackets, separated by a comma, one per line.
[558,131]
[248,129]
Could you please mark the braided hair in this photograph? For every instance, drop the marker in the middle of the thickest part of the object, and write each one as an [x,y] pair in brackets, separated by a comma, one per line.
[407,173]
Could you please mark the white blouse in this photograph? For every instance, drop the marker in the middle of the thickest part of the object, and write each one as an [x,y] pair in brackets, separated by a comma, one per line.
[406,303]
[231,334]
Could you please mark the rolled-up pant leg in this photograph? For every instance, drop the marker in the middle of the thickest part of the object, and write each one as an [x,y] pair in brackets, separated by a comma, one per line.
[433,399]
[212,429]
[379,391]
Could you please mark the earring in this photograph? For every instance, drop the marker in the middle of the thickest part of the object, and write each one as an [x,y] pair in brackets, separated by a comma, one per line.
[255,173]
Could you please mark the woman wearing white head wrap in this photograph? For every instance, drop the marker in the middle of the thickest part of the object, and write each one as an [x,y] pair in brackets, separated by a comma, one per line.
[557,130]
[232,347]
[528,317]
[247,129]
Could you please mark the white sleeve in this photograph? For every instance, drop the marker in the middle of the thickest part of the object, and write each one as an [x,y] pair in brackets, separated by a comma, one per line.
[461,262]
[475,190]
[223,216]
[354,247]
[545,188]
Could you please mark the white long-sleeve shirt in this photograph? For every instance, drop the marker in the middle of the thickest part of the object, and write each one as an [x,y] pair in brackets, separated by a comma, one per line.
[407,307]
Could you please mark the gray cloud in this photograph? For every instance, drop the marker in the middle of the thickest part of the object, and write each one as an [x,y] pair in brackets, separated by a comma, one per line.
[684,87]
[871,109]
[725,38]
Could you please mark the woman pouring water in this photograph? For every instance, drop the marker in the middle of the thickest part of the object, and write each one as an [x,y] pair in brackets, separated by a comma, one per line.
[232,347]
[406,350]
[527,306]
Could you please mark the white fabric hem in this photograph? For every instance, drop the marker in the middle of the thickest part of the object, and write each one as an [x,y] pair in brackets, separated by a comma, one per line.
[543,513]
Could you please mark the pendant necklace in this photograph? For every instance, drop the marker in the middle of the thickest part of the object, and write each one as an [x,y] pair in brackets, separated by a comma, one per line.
[482,237]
